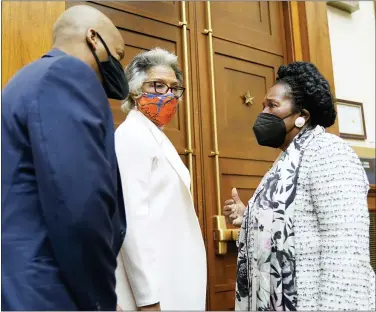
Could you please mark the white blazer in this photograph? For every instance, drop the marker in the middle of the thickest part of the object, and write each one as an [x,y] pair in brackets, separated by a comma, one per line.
[163,257]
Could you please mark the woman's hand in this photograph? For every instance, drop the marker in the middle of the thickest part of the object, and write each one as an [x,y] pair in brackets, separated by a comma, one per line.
[234,209]
[118,308]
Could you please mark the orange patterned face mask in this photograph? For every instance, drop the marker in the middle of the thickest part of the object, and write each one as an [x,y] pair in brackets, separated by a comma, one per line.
[159,108]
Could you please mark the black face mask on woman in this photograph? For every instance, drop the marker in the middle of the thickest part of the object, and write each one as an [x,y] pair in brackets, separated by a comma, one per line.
[270,130]
[115,82]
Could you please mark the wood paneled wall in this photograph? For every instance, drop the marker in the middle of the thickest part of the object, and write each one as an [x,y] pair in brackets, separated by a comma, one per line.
[311,39]
[26,32]
[27,29]
[317,39]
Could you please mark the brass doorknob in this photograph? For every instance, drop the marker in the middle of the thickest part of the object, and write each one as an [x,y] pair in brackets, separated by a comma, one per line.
[222,235]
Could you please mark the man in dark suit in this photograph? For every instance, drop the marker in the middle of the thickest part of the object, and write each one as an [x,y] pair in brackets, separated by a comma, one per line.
[63,219]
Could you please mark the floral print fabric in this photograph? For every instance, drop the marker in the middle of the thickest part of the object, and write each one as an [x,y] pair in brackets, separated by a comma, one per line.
[266,276]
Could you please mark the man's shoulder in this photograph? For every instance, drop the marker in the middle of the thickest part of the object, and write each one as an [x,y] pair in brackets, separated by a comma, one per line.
[70,67]
[63,66]
[59,78]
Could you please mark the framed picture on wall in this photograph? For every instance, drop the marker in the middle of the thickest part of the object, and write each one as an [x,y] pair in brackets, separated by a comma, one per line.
[351,120]
[347,6]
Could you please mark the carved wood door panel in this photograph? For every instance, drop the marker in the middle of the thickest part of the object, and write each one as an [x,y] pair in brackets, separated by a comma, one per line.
[245,48]
[239,53]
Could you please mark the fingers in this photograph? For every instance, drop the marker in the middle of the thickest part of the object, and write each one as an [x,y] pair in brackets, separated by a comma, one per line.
[230,219]
[229,202]
[230,213]
[235,195]
[237,222]
[228,210]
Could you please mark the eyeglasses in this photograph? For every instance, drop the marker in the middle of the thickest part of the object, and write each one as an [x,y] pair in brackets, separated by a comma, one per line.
[162,88]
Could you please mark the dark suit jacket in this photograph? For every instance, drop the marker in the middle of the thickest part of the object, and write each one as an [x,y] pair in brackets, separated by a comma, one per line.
[63,219]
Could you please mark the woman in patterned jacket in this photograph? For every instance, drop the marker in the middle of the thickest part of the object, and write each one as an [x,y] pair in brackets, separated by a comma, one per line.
[304,239]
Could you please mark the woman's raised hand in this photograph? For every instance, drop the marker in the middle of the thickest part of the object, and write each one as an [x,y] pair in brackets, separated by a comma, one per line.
[234,209]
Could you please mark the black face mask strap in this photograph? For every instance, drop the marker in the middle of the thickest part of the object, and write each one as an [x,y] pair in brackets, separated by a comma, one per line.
[105,45]
[95,54]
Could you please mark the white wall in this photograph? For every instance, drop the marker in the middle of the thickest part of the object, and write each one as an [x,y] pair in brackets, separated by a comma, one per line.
[352,40]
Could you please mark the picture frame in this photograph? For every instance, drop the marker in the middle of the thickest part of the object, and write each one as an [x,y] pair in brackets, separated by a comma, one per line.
[351,120]
[346,6]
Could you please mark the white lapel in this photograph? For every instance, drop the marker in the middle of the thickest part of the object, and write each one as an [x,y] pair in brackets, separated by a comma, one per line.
[176,162]
[168,149]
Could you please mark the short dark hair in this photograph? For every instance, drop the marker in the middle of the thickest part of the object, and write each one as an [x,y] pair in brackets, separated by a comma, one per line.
[309,90]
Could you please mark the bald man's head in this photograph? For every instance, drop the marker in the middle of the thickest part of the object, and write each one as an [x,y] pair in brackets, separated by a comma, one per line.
[76,33]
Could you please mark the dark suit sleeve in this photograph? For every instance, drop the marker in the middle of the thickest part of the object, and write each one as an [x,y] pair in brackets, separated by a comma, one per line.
[67,128]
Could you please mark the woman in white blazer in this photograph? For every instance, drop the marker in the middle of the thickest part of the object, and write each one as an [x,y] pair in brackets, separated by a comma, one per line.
[304,240]
[162,264]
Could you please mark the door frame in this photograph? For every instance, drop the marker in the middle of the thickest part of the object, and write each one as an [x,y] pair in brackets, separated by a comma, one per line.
[304,41]
[306,31]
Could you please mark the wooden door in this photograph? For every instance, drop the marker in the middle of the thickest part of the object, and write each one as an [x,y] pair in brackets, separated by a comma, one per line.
[248,46]
[145,25]
[247,49]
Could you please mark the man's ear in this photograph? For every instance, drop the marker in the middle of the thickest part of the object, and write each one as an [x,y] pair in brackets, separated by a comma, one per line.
[92,38]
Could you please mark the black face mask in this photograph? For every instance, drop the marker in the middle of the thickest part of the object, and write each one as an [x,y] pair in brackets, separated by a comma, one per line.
[115,82]
[270,130]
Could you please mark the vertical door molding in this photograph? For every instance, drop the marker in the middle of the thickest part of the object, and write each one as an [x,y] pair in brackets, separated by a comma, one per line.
[309,31]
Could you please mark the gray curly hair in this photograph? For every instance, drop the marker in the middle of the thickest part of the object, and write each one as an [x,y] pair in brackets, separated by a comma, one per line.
[137,70]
